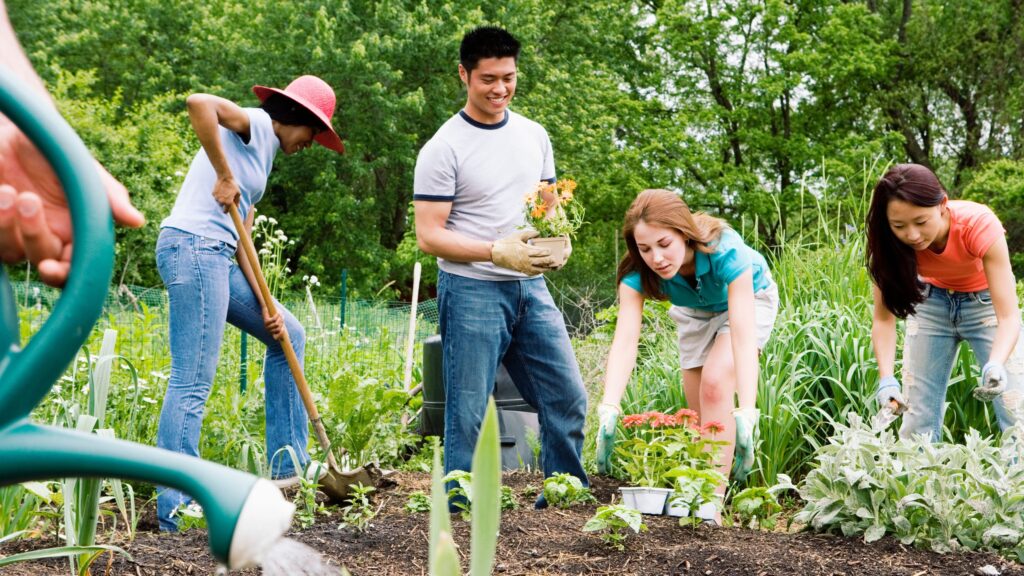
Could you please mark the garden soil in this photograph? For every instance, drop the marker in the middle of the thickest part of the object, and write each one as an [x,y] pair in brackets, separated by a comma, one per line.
[543,542]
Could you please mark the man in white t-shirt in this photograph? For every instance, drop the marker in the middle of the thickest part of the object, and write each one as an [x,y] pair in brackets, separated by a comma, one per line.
[494,306]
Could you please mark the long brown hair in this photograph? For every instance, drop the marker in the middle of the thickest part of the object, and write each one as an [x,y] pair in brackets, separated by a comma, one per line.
[665,209]
[891,263]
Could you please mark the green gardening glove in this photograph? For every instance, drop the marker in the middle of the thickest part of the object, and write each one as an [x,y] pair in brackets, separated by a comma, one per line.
[746,428]
[608,420]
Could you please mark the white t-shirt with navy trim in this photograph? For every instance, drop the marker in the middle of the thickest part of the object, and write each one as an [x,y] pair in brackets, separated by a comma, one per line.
[196,211]
[485,171]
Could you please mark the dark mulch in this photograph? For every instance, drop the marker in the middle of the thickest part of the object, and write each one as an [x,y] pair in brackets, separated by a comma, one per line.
[548,542]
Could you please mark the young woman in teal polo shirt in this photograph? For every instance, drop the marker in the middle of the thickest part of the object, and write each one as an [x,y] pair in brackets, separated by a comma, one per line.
[724,303]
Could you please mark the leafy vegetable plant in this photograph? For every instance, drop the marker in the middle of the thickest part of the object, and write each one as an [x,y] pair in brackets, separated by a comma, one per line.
[613,522]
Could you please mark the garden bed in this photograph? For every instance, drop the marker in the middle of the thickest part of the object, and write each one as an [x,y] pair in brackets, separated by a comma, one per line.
[547,542]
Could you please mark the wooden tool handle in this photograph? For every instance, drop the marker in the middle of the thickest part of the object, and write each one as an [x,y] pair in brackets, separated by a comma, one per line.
[249,253]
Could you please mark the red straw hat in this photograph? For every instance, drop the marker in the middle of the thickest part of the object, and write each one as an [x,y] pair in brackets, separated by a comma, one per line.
[314,95]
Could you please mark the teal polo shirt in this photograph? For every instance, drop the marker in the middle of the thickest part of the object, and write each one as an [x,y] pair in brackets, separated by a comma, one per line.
[714,272]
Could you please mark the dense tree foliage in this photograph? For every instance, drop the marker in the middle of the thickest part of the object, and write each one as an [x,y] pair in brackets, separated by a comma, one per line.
[749,107]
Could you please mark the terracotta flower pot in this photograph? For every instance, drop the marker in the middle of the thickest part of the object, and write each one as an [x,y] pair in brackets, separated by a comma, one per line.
[646,500]
[558,246]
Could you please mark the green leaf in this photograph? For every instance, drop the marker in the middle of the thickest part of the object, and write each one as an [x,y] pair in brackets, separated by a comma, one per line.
[486,511]
[61,552]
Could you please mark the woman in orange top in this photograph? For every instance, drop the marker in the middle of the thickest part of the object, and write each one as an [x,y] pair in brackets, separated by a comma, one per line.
[943,265]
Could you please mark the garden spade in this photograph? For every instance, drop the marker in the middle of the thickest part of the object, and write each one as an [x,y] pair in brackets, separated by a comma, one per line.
[334,482]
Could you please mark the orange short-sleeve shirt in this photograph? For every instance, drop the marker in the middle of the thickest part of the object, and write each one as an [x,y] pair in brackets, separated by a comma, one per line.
[973,228]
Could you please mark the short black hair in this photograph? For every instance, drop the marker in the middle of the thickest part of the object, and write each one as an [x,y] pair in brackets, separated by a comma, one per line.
[289,112]
[487,42]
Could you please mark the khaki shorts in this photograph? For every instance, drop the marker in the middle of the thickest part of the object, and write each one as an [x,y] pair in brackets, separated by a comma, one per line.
[698,329]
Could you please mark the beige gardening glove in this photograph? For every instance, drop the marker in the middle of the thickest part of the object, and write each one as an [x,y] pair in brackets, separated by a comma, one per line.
[514,253]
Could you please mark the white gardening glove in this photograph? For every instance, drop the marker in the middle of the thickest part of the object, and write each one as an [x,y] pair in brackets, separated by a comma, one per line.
[746,426]
[890,401]
[514,253]
[608,420]
[993,382]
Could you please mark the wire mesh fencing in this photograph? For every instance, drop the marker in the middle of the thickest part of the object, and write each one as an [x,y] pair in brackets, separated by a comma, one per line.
[379,329]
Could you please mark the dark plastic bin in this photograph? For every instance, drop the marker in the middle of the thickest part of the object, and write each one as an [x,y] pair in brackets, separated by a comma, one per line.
[516,419]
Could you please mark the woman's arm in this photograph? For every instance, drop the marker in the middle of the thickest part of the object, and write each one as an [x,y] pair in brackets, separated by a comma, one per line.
[1003,288]
[883,335]
[622,355]
[207,113]
[743,333]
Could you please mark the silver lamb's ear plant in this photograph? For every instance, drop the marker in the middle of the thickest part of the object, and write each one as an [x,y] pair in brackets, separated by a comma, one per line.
[486,510]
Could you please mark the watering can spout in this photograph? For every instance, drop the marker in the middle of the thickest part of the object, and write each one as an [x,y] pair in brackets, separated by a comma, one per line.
[244,514]
[265,517]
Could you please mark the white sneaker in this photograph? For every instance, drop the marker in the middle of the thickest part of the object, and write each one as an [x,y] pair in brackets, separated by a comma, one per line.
[313,471]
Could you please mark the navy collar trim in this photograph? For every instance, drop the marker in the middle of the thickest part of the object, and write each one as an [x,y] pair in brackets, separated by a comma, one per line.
[481,125]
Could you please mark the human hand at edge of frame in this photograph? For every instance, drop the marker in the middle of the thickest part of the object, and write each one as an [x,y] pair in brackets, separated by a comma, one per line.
[993,382]
[35,223]
[274,324]
[608,421]
[514,253]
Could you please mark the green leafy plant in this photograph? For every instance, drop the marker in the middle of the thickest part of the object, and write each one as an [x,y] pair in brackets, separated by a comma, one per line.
[461,493]
[944,497]
[190,517]
[693,487]
[757,507]
[307,507]
[359,511]
[657,443]
[613,522]
[564,490]
[418,501]
[508,499]
[567,216]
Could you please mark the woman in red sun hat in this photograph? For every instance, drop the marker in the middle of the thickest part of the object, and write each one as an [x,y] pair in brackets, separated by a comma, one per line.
[207,286]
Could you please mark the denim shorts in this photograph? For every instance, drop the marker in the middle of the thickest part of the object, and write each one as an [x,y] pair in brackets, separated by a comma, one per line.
[697,329]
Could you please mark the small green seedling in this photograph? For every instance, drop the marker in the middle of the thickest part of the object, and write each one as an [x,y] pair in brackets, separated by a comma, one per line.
[508,499]
[563,490]
[359,511]
[418,501]
[757,508]
[613,521]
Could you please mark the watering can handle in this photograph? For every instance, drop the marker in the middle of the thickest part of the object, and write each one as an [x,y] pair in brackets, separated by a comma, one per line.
[27,374]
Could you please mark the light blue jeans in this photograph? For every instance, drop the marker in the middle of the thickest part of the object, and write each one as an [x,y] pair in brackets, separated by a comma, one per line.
[206,289]
[516,322]
[940,323]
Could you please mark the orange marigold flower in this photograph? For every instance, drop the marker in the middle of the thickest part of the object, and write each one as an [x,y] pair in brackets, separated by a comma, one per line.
[539,209]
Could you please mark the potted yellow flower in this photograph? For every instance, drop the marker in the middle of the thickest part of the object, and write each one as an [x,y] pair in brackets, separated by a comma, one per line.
[553,210]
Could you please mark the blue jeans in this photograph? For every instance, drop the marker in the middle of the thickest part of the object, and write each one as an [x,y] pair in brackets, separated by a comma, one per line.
[206,289]
[485,322]
[933,334]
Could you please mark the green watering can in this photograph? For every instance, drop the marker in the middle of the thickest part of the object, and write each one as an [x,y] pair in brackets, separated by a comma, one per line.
[245,514]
